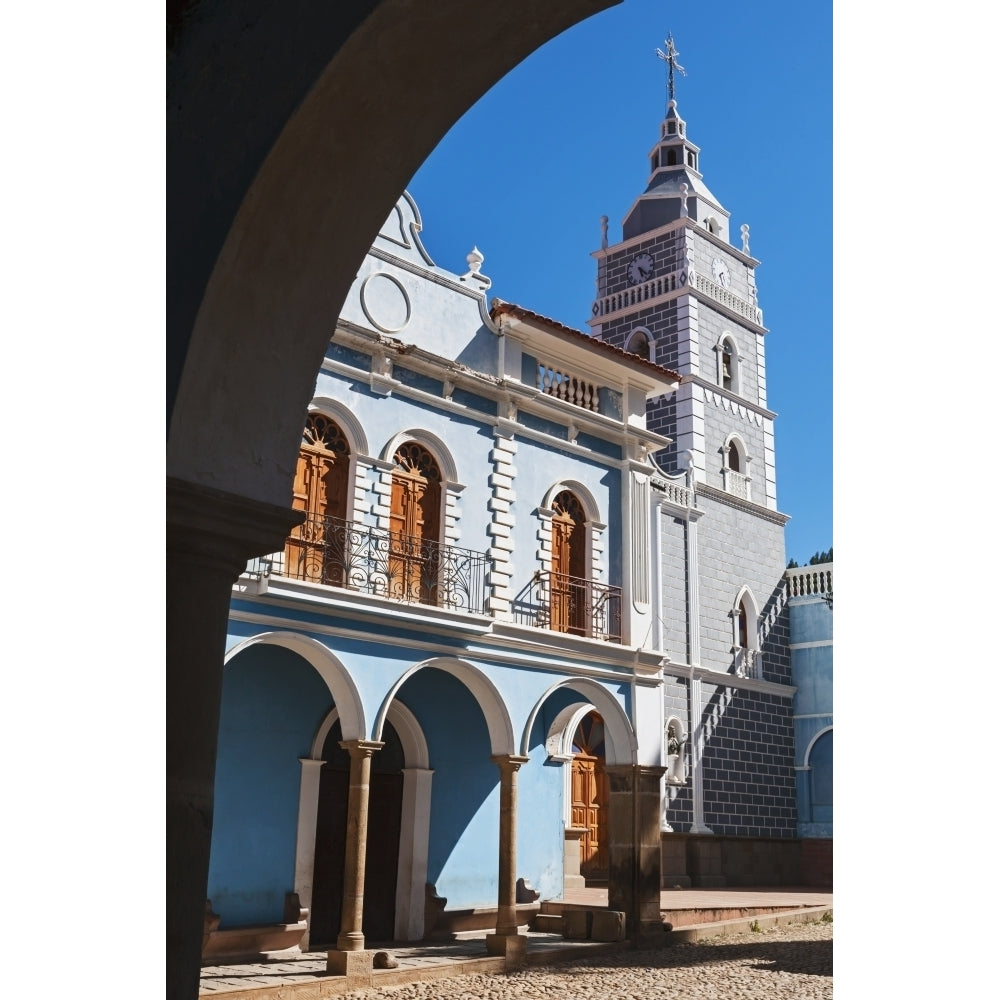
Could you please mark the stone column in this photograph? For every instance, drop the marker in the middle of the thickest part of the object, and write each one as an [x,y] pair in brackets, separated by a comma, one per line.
[351,940]
[634,848]
[506,941]
[210,537]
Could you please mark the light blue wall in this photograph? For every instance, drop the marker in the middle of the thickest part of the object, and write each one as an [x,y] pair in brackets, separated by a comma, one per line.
[465,800]
[272,704]
[810,626]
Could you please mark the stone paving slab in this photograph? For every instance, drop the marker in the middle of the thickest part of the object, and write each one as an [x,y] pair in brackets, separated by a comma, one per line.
[306,978]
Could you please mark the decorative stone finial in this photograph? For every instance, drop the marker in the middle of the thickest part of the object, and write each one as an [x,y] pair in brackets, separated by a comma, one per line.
[474,258]
[684,201]
[604,232]
[745,233]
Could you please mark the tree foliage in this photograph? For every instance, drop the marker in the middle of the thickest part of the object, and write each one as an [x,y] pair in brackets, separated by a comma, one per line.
[816,559]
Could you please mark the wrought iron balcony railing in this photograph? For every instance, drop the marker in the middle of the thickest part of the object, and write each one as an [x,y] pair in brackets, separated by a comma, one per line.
[570,604]
[384,563]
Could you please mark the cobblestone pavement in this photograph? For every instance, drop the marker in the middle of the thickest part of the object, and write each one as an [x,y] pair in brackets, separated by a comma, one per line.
[793,961]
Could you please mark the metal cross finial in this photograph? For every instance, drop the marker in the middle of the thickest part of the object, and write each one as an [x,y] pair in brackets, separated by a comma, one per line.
[670,58]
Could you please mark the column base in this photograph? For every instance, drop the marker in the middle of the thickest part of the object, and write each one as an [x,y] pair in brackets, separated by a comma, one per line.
[513,947]
[355,965]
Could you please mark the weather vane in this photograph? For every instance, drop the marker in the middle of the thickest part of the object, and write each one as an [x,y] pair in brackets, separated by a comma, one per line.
[670,58]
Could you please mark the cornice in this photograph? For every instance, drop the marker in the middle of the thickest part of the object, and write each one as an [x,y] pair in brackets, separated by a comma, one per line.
[721,678]
[735,398]
[604,252]
[775,517]
[502,643]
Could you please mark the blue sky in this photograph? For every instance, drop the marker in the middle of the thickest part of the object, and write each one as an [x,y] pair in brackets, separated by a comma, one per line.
[563,139]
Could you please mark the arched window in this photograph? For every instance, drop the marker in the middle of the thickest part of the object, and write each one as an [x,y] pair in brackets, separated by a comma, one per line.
[639,344]
[569,565]
[414,525]
[735,470]
[316,549]
[744,627]
[746,654]
[729,364]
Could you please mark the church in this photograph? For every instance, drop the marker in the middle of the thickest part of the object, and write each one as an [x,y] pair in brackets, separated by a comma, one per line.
[533,629]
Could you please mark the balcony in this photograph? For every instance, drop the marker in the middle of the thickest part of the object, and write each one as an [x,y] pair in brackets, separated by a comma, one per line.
[572,605]
[748,663]
[807,581]
[395,566]
[737,483]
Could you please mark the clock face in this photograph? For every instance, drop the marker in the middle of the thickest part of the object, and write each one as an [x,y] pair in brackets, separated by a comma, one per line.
[641,268]
[721,272]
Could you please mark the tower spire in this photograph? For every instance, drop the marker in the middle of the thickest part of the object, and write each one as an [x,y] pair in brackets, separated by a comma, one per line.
[670,58]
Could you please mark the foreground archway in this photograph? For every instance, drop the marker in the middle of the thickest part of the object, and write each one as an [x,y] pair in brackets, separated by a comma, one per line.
[291,131]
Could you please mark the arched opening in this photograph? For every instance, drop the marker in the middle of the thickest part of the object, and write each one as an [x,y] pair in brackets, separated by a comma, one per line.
[821,779]
[746,652]
[414,525]
[569,565]
[733,457]
[382,851]
[639,344]
[315,549]
[590,795]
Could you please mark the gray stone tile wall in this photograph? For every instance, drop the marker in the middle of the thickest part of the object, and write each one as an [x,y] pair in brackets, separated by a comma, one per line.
[748,764]
[673,580]
[736,548]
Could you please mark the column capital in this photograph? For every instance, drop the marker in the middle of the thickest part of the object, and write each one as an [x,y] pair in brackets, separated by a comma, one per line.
[360,748]
[204,522]
[509,761]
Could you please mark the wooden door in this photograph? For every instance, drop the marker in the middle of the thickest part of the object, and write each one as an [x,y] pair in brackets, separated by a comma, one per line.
[414,519]
[315,549]
[589,790]
[568,589]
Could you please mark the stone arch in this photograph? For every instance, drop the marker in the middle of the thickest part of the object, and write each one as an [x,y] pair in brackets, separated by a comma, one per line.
[742,455]
[278,186]
[620,739]
[812,743]
[498,724]
[586,498]
[342,688]
[434,444]
[409,730]
[348,422]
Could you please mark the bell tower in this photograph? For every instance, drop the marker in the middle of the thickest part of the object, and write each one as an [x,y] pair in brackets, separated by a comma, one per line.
[674,290]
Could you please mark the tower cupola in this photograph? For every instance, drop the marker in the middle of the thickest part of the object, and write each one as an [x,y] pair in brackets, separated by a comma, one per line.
[675,188]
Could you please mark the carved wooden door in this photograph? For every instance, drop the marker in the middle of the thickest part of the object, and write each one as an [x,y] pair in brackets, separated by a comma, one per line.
[315,549]
[589,804]
[568,590]
[414,517]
